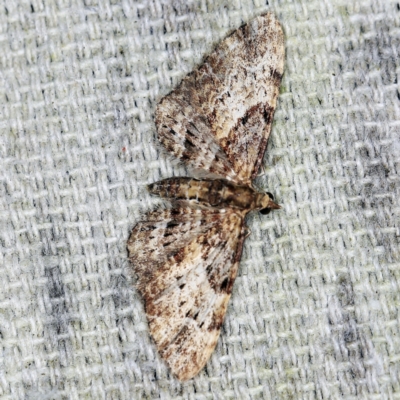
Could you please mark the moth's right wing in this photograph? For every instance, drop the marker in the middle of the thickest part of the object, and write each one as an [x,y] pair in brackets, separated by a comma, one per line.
[186,261]
[219,118]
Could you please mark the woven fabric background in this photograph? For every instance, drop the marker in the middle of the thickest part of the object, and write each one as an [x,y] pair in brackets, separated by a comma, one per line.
[315,309]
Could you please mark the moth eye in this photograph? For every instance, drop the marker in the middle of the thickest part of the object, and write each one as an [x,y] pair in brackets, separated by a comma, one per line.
[265,211]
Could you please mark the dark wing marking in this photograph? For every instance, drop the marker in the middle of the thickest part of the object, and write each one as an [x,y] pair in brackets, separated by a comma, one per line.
[219,118]
[187,285]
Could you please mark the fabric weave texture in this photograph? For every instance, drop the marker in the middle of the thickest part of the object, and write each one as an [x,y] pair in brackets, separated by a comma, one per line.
[315,309]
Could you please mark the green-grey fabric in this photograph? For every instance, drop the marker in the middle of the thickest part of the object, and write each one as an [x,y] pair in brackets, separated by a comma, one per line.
[315,309]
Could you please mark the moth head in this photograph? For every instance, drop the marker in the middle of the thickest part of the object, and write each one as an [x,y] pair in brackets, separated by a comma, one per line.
[268,204]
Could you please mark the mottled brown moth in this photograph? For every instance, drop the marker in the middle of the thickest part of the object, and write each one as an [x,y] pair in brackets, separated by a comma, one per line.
[186,258]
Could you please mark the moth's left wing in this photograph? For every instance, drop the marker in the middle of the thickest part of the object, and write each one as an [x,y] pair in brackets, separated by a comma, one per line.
[187,285]
[219,118]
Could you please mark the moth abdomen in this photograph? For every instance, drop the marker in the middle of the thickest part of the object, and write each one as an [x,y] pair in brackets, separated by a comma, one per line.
[173,188]
[208,192]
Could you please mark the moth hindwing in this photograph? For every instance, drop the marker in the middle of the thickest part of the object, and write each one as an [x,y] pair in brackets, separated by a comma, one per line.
[186,258]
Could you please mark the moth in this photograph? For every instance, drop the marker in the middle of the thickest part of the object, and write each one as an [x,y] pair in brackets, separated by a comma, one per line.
[186,258]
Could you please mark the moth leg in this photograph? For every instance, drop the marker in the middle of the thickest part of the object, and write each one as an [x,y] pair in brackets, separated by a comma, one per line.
[261,171]
[246,232]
